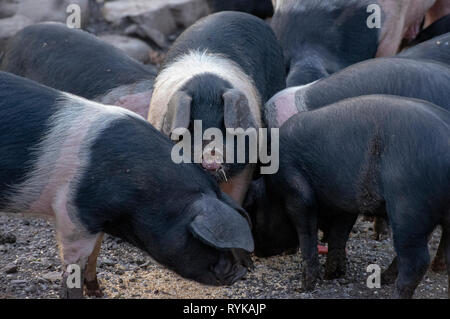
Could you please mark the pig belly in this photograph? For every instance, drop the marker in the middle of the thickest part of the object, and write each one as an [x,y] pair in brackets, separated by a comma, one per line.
[402,19]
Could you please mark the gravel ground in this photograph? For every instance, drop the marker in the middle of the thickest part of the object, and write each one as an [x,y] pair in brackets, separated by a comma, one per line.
[30,268]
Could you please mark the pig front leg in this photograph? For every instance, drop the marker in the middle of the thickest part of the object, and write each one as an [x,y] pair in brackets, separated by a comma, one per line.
[237,186]
[76,245]
[75,249]
[91,286]
[340,228]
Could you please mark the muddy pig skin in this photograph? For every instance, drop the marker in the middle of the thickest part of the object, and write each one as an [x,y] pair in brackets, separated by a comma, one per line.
[97,169]
[377,155]
[220,71]
[322,37]
[77,62]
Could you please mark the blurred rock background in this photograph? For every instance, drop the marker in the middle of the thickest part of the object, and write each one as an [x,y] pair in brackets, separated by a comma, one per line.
[144,29]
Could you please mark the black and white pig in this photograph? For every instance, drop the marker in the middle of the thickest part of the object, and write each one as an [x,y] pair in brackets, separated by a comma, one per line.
[102,169]
[322,37]
[260,8]
[74,61]
[380,155]
[220,71]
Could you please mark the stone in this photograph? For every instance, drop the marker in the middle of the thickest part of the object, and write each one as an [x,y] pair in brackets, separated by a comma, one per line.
[11,269]
[156,19]
[52,276]
[187,12]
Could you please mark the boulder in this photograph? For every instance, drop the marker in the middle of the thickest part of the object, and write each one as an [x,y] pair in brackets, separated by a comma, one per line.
[156,19]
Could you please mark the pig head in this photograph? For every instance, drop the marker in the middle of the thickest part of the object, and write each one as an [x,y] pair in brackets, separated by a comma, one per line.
[209,243]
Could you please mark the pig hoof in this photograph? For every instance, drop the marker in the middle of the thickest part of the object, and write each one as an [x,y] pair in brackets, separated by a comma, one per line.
[335,272]
[92,288]
[438,265]
[336,264]
[402,293]
[388,278]
[309,278]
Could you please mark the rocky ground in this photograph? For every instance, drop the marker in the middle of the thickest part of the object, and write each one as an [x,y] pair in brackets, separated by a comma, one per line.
[30,268]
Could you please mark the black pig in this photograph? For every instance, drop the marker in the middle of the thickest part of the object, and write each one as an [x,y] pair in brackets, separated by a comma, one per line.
[377,155]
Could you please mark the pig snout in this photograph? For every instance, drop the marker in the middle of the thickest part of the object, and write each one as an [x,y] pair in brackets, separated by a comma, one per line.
[229,270]
[212,159]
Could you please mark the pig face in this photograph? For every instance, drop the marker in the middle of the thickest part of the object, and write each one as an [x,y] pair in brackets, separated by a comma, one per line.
[272,230]
[214,102]
[210,243]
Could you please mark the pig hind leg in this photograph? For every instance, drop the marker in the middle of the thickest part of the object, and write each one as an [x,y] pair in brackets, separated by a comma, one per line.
[340,228]
[411,246]
[302,210]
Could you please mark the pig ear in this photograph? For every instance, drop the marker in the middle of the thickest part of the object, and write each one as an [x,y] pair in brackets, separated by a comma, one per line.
[233,204]
[178,112]
[237,110]
[218,225]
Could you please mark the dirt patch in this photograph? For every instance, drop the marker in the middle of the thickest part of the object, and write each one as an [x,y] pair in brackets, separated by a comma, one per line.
[30,268]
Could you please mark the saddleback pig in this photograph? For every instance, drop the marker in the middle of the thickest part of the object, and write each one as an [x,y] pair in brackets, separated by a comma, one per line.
[220,71]
[98,168]
[377,155]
